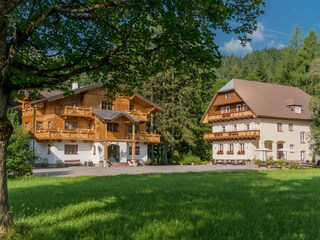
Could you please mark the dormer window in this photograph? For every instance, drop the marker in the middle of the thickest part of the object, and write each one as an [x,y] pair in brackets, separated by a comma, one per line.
[295,108]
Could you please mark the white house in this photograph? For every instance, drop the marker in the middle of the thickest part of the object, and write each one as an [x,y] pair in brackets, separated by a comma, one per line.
[259,120]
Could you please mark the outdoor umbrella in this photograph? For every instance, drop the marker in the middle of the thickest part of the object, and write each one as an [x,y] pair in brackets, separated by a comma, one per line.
[263,150]
[285,150]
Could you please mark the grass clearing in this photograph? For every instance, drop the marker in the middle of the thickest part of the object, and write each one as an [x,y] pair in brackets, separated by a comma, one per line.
[280,204]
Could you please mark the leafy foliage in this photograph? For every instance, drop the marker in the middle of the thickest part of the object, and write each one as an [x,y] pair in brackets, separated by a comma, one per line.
[20,158]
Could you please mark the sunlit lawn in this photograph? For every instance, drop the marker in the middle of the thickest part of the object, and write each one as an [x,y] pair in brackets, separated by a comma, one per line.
[282,204]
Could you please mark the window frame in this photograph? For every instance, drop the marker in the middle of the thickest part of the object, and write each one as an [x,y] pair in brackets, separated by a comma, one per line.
[71,149]
[279,127]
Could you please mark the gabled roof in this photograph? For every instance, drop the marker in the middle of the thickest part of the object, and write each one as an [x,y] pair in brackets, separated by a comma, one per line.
[110,115]
[269,100]
[156,108]
[57,94]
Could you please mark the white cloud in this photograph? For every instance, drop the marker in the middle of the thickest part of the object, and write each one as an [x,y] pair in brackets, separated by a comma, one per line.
[258,34]
[234,46]
[274,44]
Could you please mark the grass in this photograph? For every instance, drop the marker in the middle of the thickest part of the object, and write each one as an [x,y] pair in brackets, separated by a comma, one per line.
[282,204]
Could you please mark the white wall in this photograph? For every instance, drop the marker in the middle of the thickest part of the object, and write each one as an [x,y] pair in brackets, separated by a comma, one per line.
[57,151]
[268,132]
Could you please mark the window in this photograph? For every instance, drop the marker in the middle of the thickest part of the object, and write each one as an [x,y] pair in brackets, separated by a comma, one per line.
[230,149]
[291,146]
[225,109]
[137,150]
[129,129]
[223,129]
[103,105]
[297,109]
[109,106]
[239,108]
[38,125]
[131,107]
[302,155]
[290,127]
[241,147]
[70,125]
[226,95]
[49,149]
[279,127]
[302,137]
[244,107]
[248,126]
[27,126]
[74,102]
[70,149]
[235,127]
[94,150]
[112,127]
[220,147]
[312,148]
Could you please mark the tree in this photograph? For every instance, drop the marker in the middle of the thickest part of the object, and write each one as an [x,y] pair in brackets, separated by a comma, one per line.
[45,43]
[260,72]
[20,157]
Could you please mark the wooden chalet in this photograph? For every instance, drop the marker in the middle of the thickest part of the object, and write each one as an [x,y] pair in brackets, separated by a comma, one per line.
[86,126]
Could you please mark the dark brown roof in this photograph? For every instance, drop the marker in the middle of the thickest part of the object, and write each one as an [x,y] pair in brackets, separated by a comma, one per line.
[111,115]
[271,100]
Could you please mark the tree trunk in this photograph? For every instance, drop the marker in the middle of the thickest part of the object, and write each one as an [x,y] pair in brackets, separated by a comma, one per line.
[5,133]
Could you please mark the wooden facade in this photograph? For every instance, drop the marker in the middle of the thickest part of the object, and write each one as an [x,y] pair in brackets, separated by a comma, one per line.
[59,118]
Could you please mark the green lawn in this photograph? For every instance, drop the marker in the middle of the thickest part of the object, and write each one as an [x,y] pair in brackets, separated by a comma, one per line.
[282,204]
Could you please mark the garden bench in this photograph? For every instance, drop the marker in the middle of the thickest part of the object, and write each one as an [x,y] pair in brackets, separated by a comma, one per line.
[72,162]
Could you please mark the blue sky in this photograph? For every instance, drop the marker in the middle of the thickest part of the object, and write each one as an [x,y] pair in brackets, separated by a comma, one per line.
[276,25]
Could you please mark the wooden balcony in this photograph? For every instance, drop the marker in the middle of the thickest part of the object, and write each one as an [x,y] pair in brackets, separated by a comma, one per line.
[145,137]
[75,111]
[230,116]
[230,136]
[139,115]
[78,134]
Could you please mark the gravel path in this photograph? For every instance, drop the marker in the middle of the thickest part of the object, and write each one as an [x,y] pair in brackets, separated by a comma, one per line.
[112,171]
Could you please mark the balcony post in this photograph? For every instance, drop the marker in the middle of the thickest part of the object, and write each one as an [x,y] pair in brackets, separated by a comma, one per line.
[134,142]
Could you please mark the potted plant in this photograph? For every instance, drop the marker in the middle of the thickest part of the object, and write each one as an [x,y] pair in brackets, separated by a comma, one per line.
[257,162]
[269,163]
[281,164]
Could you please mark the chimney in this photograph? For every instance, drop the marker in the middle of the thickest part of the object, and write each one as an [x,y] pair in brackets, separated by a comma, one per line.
[75,85]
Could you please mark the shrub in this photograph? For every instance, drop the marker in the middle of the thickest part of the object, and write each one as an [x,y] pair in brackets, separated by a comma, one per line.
[256,161]
[20,157]
[281,163]
[59,163]
[293,165]
[189,159]
[43,161]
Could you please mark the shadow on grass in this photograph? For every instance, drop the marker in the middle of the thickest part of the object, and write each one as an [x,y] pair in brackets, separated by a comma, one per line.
[225,205]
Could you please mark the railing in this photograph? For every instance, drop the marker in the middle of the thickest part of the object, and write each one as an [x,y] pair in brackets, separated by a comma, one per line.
[228,116]
[235,135]
[139,115]
[76,111]
[78,134]
[145,137]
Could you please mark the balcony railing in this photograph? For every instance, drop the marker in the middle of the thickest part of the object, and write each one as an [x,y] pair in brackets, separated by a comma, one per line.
[145,137]
[230,116]
[78,134]
[235,135]
[75,111]
[139,115]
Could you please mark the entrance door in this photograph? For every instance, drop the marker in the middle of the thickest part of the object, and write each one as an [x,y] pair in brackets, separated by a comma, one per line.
[113,153]
[280,153]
